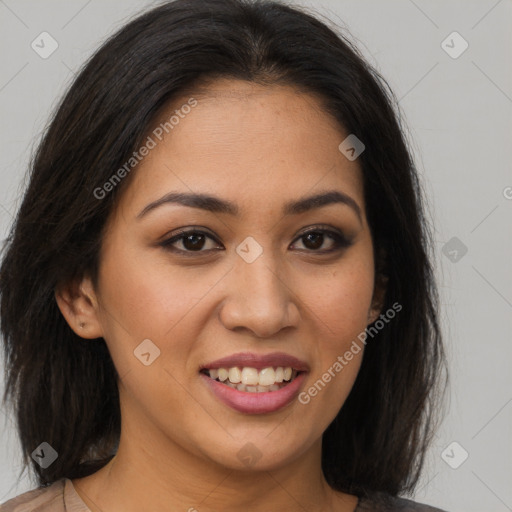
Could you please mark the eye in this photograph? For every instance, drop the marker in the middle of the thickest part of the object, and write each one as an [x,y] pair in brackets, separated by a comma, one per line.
[192,240]
[315,238]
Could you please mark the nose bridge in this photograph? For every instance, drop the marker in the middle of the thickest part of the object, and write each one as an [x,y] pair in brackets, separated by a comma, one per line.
[257,297]
[260,284]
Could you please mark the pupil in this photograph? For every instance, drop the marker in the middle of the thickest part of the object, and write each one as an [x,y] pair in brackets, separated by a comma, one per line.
[315,238]
[193,242]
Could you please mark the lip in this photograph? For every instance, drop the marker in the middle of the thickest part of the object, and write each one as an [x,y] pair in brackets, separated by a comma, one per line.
[255,403]
[258,362]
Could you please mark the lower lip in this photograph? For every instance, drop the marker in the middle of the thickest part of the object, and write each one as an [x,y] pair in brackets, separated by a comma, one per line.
[255,403]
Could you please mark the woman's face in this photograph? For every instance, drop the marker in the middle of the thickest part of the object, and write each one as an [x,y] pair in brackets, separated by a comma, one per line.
[251,286]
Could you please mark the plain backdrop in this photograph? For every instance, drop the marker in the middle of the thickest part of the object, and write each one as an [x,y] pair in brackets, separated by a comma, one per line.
[458,108]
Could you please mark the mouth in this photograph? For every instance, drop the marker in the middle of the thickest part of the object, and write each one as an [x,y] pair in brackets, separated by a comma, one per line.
[255,384]
[249,380]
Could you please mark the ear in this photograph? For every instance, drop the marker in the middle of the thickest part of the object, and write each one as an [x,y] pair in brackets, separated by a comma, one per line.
[379,294]
[78,304]
[380,288]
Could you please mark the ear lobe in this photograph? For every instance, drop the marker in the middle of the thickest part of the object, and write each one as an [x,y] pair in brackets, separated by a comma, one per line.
[379,295]
[79,306]
[380,286]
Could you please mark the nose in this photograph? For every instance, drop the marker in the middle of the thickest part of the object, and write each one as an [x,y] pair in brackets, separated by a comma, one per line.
[258,299]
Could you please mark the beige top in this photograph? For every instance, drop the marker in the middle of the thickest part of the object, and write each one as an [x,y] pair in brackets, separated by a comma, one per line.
[61,496]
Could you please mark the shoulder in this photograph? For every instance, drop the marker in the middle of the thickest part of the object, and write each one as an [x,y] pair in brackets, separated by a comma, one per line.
[42,499]
[386,503]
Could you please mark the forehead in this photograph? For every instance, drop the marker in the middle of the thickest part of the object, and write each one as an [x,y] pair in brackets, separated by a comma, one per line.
[246,142]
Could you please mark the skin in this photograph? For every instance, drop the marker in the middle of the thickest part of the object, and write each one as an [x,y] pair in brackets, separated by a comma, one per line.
[257,146]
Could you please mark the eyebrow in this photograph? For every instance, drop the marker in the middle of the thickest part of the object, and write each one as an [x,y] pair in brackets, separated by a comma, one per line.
[217,205]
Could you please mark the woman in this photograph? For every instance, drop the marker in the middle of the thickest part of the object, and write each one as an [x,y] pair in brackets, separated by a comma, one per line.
[217,293]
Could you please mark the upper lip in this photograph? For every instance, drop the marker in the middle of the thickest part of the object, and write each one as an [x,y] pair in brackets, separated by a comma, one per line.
[258,361]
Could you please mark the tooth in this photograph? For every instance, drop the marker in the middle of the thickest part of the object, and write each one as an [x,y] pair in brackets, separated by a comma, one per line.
[250,376]
[262,389]
[252,389]
[287,373]
[214,373]
[279,374]
[274,387]
[240,387]
[267,376]
[230,384]
[223,374]
[235,375]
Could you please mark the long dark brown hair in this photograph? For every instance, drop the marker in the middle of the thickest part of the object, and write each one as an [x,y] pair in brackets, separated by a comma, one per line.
[63,389]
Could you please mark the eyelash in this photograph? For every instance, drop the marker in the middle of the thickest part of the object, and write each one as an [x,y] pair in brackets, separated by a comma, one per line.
[340,241]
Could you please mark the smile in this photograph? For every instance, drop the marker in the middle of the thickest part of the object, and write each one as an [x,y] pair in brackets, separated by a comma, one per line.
[250,380]
[253,383]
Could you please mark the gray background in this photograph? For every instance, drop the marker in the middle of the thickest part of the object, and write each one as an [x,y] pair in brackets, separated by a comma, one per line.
[459,114]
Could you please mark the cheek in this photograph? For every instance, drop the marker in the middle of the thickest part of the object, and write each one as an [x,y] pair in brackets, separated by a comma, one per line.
[340,300]
[339,305]
[144,297]
[148,293]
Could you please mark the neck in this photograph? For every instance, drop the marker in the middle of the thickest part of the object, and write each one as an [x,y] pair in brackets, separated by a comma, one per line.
[145,476]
